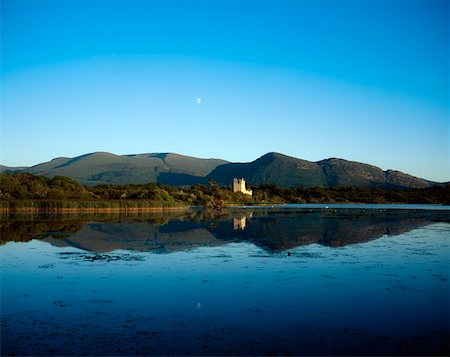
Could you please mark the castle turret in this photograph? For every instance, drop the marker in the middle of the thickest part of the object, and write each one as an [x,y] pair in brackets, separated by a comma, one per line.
[239,186]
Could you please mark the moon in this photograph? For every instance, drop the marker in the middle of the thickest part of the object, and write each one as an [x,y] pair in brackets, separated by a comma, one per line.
[199,100]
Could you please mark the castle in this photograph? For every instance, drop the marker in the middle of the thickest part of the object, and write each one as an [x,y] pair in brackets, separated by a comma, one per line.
[239,186]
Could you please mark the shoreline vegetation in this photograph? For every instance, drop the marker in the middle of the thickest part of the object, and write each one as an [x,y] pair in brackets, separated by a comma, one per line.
[23,192]
[75,206]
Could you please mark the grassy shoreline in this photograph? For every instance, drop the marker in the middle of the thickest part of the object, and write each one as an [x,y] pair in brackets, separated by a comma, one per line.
[93,210]
[68,206]
[114,206]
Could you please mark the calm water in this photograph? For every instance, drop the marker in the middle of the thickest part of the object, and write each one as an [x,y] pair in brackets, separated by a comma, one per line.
[341,280]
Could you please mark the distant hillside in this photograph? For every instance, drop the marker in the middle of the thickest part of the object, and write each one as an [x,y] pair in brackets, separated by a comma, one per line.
[286,171]
[103,168]
[341,172]
[178,170]
[11,169]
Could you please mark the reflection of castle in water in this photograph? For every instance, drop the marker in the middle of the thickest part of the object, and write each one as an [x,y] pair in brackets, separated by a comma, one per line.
[239,223]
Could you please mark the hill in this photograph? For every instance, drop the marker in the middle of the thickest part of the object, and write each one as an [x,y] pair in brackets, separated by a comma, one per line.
[107,168]
[177,170]
[282,170]
[286,171]
[11,169]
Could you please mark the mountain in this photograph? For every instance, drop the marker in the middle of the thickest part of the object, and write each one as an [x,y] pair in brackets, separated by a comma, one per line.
[275,168]
[341,172]
[105,168]
[11,169]
[288,171]
[177,170]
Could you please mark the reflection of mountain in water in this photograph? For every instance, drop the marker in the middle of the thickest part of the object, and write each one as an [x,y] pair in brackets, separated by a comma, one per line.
[283,230]
[273,230]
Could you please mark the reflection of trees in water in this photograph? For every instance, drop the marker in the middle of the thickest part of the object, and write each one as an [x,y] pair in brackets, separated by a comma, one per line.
[23,231]
[273,230]
[24,227]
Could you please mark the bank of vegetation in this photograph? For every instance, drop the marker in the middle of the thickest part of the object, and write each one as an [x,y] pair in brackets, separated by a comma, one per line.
[24,192]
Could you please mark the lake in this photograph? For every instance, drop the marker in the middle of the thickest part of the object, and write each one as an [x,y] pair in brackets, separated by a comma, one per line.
[284,280]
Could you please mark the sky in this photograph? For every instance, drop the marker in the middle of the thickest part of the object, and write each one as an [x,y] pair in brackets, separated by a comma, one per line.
[363,80]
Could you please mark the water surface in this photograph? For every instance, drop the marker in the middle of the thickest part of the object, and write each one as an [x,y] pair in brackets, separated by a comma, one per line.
[311,280]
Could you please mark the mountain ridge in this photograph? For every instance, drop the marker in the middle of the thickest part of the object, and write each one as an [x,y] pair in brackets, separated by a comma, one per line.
[176,169]
[288,171]
[107,168]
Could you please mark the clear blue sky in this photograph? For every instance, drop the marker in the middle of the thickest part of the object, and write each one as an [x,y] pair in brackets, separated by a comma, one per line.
[364,80]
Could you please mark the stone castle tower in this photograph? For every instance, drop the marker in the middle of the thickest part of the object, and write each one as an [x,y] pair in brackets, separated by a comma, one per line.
[239,186]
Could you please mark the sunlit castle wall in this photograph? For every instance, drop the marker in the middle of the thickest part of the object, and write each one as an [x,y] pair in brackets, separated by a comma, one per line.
[239,186]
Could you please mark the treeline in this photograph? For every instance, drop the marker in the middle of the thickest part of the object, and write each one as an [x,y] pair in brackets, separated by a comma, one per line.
[358,194]
[27,190]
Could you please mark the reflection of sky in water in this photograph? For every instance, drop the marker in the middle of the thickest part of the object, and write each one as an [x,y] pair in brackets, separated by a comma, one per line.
[394,287]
